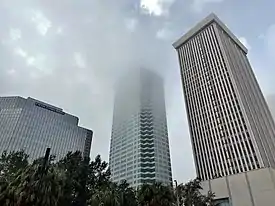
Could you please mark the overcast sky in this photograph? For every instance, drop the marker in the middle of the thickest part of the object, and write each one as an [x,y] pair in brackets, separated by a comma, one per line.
[68,53]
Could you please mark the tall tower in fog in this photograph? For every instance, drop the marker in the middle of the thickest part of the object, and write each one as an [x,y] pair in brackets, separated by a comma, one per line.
[139,150]
[231,127]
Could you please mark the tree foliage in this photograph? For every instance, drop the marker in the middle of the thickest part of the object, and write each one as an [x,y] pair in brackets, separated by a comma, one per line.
[77,181]
[190,194]
[11,163]
[155,194]
[114,194]
[27,185]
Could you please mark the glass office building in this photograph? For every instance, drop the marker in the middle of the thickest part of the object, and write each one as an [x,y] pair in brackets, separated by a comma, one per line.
[33,126]
[139,151]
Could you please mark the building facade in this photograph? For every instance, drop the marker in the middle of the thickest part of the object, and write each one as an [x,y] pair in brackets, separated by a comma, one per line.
[271,104]
[139,149]
[34,126]
[252,188]
[231,127]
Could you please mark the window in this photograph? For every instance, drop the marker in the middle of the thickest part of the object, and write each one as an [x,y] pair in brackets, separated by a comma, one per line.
[222,202]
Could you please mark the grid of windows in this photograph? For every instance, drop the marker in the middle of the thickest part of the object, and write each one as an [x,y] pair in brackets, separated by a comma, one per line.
[139,150]
[231,129]
[33,126]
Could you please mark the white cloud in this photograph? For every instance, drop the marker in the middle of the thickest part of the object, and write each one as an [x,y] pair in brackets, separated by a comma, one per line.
[198,5]
[37,62]
[131,24]
[34,75]
[15,34]
[96,29]
[11,72]
[82,77]
[42,23]
[244,41]
[156,7]
[164,34]
[270,40]
[79,60]
[39,66]
[19,51]
[59,30]
[30,60]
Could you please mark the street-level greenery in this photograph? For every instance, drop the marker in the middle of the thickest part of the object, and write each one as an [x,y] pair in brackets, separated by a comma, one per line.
[77,181]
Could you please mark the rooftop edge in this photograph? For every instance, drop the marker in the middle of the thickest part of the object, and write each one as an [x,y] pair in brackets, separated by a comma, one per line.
[203,23]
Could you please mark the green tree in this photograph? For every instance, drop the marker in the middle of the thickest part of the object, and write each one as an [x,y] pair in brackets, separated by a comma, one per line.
[82,178]
[114,194]
[127,194]
[11,163]
[106,195]
[77,181]
[35,187]
[75,169]
[98,176]
[190,194]
[155,194]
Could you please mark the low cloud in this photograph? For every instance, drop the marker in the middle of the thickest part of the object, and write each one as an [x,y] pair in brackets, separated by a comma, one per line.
[15,34]
[79,60]
[43,24]
[244,41]
[156,7]
[264,60]
[69,53]
[198,5]
[270,40]
[131,24]
[21,52]
[166,33]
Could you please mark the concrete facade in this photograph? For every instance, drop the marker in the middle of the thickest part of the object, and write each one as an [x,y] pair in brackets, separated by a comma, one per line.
[232,130]
[252,188]
[271,104]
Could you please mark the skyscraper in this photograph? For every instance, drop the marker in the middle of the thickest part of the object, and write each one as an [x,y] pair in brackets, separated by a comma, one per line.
[33,125]
[231,127]
[271,103]
[139,150]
